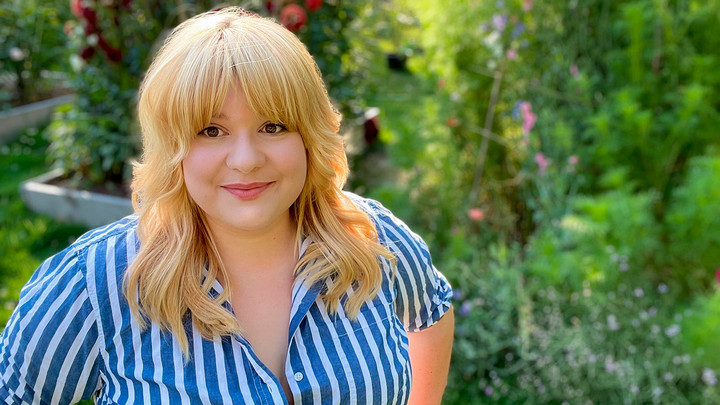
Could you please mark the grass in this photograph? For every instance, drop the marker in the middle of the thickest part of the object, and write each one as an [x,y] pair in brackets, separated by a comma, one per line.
[26,239]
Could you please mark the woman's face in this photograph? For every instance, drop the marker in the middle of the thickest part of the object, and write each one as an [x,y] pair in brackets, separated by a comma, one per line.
[245,171]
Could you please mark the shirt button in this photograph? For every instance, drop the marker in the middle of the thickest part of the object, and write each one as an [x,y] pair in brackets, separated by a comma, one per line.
[298,376]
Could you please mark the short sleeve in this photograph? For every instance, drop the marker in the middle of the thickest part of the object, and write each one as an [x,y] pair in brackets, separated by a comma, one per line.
[423,293]
[49,348]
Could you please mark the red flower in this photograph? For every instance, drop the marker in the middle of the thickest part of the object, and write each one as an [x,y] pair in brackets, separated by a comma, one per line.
[452,122]
[113,54]
[87,53]
[313,5]
[271,6]
[717,275]
[293,17]
[90,15]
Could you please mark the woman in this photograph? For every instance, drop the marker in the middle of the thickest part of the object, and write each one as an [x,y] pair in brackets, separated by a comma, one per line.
[246,275]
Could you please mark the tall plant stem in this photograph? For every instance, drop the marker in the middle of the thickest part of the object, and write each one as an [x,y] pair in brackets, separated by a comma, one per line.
[487,128]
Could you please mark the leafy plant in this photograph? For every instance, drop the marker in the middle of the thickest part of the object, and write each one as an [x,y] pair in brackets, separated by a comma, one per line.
[32,51]
[693,226]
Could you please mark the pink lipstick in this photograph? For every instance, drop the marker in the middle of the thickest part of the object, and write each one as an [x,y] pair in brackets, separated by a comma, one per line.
[247,191]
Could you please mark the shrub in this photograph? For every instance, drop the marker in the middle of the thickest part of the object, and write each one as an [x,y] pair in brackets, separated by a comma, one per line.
[693,226]
[32,50]
[625,346]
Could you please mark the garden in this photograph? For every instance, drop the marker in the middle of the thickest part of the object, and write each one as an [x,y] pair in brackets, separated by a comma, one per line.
[560,158]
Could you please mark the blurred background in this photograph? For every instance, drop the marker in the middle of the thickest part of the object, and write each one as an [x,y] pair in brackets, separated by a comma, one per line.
[560,157]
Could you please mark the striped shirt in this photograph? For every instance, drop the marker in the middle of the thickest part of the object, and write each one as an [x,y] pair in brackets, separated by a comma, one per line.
[72,337]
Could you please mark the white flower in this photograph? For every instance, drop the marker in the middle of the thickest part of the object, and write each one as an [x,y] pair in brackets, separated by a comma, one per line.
[639,293]
[76,62]
[610,365]
[663,288]
[92,39]
[709,377]
[634,389]
[612,323]
[16,54]
[672,331]
[455,96]
[668,377]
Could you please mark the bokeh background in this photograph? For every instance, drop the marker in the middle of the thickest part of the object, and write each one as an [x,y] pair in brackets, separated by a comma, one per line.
[560,157]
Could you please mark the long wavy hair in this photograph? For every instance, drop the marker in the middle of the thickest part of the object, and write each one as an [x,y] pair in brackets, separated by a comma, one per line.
[186,85]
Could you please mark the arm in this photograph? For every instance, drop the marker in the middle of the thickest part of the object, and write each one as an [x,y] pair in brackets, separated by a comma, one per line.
[430,351]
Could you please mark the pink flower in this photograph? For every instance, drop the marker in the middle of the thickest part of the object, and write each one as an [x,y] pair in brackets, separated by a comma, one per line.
[511,54]
[452,122]
[476,214]
[542,163]
[717,275]
[574,70]
[441,83]
[572,162]
[529,118]
[527,5]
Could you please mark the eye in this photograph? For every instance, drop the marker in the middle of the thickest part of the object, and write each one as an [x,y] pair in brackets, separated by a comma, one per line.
[273,128]
[211,132]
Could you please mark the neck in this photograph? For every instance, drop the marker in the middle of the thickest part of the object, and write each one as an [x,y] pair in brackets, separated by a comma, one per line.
[265,252]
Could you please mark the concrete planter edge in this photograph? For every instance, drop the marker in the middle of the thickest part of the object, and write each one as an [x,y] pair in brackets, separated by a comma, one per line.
[16,119]
[72,206]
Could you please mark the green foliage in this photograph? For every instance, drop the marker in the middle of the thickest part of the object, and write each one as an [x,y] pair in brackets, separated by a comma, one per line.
[702,326]
[693,225]
[32,50]
[513,345]
[27,239]
[95,139]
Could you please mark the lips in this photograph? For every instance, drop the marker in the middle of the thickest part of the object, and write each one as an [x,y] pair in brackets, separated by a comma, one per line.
[247,191]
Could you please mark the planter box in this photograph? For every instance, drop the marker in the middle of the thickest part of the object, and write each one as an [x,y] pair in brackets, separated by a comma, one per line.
[72,206]
[15,120]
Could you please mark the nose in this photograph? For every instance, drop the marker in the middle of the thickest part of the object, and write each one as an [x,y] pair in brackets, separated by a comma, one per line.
[245,152]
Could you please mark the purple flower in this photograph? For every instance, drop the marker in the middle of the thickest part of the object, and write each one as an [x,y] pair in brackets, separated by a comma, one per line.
[518,30]
[465,308]
[499,22]
[488,391]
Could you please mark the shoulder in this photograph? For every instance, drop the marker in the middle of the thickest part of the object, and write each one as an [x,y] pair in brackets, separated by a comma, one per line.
[392,231]
[124,227]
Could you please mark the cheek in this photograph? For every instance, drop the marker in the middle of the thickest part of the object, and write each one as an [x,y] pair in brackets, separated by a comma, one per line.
[197,171]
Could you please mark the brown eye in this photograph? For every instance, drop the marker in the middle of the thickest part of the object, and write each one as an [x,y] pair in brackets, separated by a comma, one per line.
[271,128]
[210,132]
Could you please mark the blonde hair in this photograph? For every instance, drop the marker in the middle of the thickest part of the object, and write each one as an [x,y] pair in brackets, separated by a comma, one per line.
[184,87]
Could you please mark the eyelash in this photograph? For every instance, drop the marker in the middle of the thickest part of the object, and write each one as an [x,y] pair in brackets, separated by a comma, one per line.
[279,128]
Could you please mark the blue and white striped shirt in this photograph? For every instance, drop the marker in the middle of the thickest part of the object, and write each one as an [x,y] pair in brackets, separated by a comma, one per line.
[72,337]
